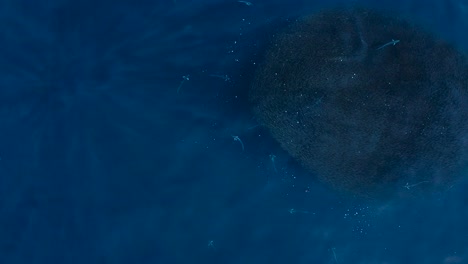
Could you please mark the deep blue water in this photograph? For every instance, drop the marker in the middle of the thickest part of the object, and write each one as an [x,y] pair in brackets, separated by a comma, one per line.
[116,143]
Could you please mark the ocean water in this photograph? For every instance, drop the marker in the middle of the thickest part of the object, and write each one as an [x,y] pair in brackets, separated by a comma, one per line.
[126,137]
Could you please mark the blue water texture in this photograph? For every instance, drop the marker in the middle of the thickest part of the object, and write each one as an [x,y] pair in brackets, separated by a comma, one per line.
[116,143]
